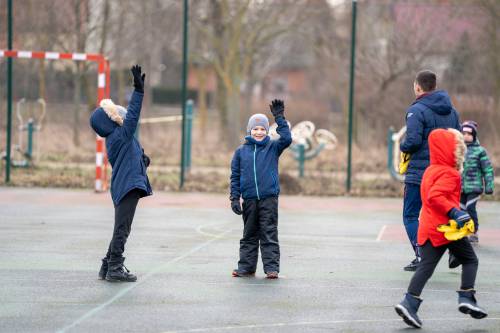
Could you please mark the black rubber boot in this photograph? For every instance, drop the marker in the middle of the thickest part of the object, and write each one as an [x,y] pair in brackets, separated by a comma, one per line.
[467,304]
[104,269]
[117,272]
[408,309]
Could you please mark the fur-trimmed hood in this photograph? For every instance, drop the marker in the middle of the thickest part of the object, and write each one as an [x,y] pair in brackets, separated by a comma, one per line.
[107,117]
[447,147]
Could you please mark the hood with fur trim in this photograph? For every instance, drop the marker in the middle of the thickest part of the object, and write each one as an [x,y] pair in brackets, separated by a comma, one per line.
[107,117]
[447,147]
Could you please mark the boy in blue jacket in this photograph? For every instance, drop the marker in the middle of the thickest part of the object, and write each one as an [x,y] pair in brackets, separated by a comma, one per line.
[129,181]
[254,177]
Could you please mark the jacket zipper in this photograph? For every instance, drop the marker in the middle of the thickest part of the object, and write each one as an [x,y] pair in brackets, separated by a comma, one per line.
[255,171]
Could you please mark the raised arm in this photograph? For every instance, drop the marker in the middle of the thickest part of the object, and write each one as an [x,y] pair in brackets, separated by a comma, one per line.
[278,110]
[134,108]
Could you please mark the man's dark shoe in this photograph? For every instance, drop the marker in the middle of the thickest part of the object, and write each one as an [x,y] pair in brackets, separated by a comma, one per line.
[408,309]
[119,273]
[412,266]
[237,273]
[467,304]
[104,269]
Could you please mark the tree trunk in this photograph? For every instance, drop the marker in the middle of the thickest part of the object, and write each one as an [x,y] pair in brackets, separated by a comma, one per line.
[233,111]
[77,95]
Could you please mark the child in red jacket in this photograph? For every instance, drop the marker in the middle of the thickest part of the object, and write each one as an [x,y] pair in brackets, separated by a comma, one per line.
[440,192]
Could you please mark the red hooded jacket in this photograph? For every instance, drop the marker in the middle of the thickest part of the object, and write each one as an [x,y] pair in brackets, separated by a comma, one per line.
[440,188]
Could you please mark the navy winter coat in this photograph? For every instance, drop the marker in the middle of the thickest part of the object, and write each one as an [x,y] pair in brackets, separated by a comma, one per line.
[124,150]
[254,168]
[430,111]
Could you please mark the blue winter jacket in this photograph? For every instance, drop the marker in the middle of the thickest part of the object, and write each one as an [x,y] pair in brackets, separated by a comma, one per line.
[254,168]
[124,150]
[431,111]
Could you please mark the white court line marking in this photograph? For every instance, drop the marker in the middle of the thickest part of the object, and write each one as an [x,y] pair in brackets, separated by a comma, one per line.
[124,291]
[200,228]
[308,323]
[381,233]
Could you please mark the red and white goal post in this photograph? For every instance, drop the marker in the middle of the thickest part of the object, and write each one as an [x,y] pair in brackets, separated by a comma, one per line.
[103,83]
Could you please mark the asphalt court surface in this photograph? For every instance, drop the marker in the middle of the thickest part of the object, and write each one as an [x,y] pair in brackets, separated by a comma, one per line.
[341,267]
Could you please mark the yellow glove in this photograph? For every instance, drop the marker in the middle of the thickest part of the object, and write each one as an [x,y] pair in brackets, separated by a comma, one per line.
[404,160]
[452,233]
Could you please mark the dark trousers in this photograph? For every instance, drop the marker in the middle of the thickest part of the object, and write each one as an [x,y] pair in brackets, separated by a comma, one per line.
[124,215]
[412,204]
[260,218]
[431,255]
[468,202]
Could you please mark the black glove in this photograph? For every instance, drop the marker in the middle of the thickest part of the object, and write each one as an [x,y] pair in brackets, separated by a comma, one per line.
[138,78]
[277,108]
[236,206]
[460,216]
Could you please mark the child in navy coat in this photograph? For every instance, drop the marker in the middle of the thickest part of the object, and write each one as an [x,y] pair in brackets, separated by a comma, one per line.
[254,177]
[129,181]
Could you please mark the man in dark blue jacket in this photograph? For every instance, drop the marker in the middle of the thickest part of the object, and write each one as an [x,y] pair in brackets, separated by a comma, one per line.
[254,176]
[432,109]
[129,181]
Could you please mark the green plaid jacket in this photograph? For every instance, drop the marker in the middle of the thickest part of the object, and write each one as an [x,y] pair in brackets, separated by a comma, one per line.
[477,170]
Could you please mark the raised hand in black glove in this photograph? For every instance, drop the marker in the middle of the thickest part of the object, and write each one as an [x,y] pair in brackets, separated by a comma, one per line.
[236,206]
[138,78]
[277,108]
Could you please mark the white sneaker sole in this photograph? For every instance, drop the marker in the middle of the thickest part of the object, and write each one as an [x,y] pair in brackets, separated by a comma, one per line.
[408,319]
[473,311]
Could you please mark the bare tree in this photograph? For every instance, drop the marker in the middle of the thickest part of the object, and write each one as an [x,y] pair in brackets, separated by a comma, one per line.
[235,33]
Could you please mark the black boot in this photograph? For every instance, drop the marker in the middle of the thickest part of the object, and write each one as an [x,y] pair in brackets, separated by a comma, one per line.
[104,269]
[117,272]
[407,310]
[467,304]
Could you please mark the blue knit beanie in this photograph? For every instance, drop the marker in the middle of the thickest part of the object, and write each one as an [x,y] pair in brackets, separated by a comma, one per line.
[258,119]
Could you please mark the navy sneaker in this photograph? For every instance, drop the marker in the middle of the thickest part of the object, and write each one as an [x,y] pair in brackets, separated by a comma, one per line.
[407,310]
[467,304]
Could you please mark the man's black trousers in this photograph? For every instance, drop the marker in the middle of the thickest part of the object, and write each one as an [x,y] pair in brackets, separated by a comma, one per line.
[431,255]
[124,215]
[260,219]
